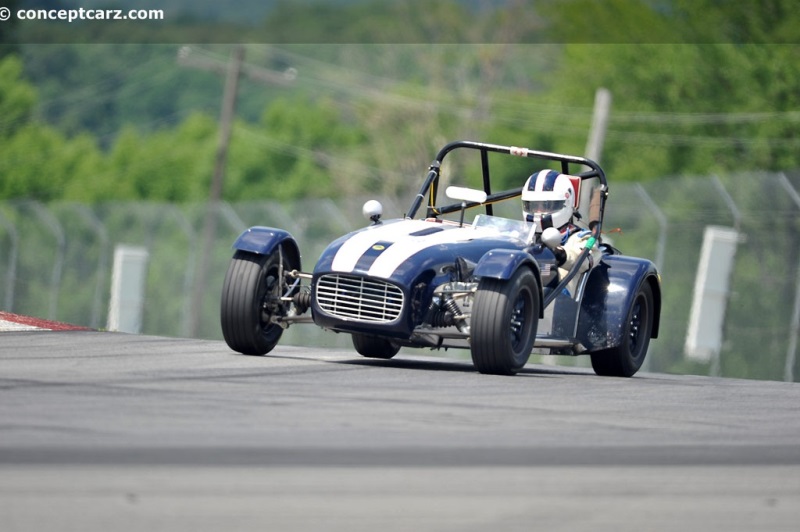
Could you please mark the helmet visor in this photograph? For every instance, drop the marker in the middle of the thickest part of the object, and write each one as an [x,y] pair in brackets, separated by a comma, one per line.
[543,206]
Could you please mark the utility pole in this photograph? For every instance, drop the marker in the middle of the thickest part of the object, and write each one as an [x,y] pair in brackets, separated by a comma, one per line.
[597,133]
[225,123]
[233,70]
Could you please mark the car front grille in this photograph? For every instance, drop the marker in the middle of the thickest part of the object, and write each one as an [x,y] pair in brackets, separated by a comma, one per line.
[359,299]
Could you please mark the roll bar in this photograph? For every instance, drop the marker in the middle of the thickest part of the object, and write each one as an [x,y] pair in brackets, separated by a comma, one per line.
[430,185]
[591,169]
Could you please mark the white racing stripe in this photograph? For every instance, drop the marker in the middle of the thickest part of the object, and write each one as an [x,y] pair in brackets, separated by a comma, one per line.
[388,261]
[352,250]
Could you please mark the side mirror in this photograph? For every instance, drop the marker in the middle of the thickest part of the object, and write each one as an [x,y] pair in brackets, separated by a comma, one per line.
[372,210]
[465,195]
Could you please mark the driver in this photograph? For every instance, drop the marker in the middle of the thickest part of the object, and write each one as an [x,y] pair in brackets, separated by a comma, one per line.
[548,200]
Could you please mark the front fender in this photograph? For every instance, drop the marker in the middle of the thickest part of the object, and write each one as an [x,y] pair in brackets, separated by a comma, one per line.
[265,240]
[503,263]
[608,297]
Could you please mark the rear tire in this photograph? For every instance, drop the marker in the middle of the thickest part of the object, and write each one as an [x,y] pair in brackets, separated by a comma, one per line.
[249,300]
[625,359]
[374,347]
[505,317]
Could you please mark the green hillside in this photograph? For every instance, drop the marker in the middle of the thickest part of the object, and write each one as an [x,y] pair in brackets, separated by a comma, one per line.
[98,120]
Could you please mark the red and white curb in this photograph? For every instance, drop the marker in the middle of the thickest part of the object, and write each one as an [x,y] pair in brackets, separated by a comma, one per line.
[14,323]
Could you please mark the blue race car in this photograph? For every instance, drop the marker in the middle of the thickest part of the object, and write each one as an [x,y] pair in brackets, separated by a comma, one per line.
[500,287]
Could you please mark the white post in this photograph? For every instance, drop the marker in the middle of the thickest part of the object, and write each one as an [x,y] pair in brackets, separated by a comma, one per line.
[127,289]
[707,317]
[794,327]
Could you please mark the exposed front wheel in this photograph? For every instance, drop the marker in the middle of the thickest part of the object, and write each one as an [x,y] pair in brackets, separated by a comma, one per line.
[625,359]
[374,347]
[505,317]
[250,298]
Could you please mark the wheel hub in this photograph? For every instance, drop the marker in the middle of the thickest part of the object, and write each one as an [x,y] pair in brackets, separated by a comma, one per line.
[517,325]
[635,325]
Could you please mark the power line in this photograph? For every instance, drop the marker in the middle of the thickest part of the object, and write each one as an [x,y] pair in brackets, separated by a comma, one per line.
[277,146]
[364,83]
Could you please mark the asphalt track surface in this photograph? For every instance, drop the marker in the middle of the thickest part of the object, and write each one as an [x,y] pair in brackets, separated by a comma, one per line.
[113,432]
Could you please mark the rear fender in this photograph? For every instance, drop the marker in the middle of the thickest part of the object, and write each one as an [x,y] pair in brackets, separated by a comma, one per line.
[608,297]
[503,263]
[265,240]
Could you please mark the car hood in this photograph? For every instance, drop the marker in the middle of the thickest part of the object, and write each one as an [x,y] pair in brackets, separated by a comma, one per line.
[403,248]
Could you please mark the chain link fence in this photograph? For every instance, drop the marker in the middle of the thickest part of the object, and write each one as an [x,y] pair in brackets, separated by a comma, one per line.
[56,261]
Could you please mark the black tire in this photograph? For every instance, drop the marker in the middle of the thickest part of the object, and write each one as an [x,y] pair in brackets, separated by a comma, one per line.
[625,359]
[505,317]
[374,347]
[249,300]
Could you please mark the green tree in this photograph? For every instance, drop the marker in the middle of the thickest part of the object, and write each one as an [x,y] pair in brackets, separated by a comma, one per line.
[697,86]
[169,165]
[17,96]
[38,162]
[293,153]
